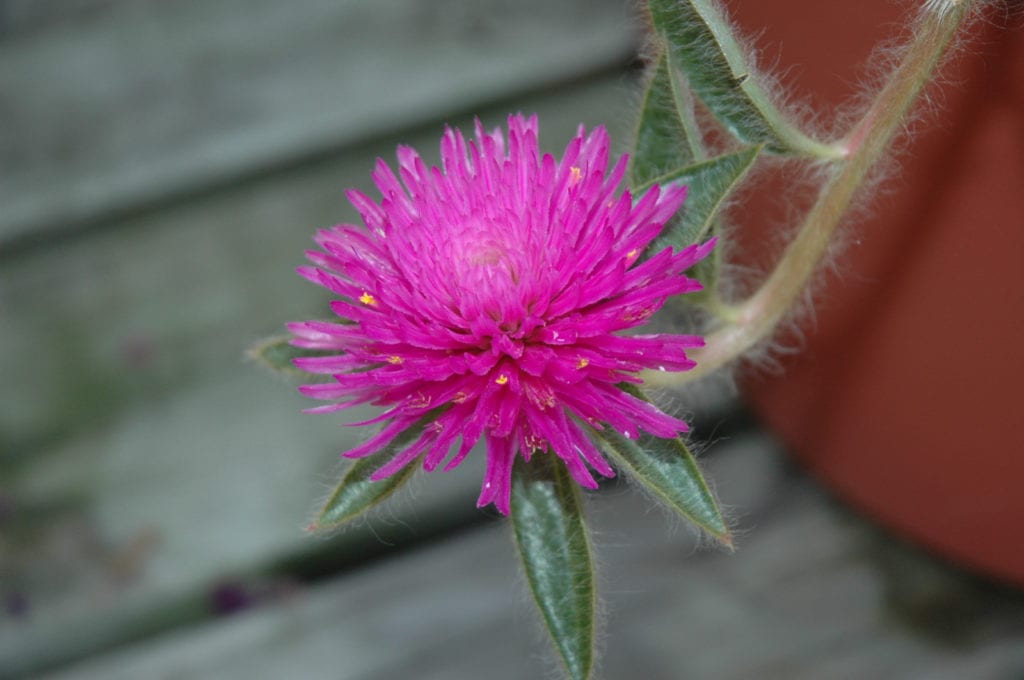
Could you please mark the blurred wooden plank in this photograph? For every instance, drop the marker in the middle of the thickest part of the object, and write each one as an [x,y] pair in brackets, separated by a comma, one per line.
[141,460]
[170,298]
[804,598]
[19,17]
[214,483]
[138,100]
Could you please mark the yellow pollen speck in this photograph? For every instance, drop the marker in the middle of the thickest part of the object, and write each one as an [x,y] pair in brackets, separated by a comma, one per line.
[394,359]
[501,379]
[582,363]
[575,175]
[631,254]
[368,299]
[636,314]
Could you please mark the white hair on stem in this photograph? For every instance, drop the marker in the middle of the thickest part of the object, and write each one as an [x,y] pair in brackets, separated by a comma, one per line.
[941,7]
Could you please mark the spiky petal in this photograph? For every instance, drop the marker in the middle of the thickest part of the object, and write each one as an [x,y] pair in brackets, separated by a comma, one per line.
[492,291]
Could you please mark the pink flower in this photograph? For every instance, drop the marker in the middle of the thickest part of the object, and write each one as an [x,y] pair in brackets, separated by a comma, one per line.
[489,294]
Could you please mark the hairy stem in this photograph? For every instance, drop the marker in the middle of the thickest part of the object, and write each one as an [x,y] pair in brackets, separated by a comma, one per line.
[756,318]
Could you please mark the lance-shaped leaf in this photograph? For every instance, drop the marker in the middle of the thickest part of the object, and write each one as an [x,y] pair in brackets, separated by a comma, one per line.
[277,354]
[704,47]
[551,536]
[356,492]
[661,140]
[669,471]
[709,183]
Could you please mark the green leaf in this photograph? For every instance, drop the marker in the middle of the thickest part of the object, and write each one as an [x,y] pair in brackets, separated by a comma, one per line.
[709,183]
[356,492]
[686,107]
[661,140]
[276,354]
[705,49]
[551,536]
[667,469]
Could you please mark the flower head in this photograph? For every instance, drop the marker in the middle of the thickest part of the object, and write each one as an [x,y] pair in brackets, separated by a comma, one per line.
[489,295]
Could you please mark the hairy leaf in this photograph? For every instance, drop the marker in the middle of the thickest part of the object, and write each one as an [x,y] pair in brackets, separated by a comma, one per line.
[709,183]
[356,492]
[277,354]
[669,471]
[703,46]
[661,140]
[551,536]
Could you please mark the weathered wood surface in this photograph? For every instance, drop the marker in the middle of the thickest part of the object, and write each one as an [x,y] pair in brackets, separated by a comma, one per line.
[190,149]
[136,101]
[143,437]
[813,593]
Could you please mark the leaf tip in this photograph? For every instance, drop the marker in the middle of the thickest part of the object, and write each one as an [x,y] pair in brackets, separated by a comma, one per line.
[726,541]
[254,352]
[275,354]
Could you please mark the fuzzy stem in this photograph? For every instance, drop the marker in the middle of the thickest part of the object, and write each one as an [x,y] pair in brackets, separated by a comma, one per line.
[757,317]
[702,41]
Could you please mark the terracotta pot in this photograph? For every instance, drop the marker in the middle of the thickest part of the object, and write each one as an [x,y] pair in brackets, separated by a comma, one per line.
[906,396]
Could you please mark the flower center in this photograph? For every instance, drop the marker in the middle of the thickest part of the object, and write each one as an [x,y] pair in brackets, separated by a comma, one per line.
[489,256]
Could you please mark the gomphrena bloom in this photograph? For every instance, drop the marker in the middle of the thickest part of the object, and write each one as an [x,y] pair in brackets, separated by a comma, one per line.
[484,299]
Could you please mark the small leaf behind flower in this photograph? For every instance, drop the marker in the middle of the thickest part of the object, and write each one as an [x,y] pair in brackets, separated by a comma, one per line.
[661,140]
[709,183]
[356,493]
[705,49]
[551,536]
[277,354]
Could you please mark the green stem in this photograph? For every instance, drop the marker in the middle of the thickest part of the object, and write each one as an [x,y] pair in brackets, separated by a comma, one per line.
[756,318]
[736,58]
